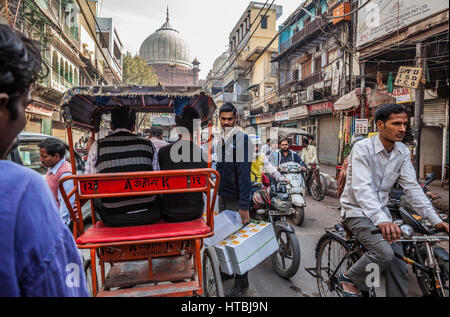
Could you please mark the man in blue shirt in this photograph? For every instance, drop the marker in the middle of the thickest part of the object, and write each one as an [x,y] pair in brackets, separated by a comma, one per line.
[284,155]
[39,255]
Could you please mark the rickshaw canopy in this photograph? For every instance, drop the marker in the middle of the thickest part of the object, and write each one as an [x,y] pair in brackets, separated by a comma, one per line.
[286,132]
[83,107]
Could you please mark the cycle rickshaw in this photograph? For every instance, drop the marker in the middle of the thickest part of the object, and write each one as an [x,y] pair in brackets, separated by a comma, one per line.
[162,259]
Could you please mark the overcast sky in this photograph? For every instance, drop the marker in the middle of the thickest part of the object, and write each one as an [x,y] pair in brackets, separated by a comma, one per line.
[203,24]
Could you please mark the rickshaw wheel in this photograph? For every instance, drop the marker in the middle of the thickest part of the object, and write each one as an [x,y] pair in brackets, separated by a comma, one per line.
[212,282]
[88,272]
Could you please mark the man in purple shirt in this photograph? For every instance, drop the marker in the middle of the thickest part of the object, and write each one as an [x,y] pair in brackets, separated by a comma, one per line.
[39,255]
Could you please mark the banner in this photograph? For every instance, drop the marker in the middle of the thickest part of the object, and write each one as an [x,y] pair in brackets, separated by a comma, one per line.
[382,17]
[282,115]
[320,108]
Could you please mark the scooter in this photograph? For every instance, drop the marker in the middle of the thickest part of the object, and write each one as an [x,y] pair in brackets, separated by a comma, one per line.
[297,189]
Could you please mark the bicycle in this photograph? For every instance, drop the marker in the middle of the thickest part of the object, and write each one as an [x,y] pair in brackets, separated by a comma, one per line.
[316,183]
[337,250]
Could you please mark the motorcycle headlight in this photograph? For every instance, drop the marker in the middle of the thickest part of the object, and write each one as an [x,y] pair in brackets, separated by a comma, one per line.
[407,231]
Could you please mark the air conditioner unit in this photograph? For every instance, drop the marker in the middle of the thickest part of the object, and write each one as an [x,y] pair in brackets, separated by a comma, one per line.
[303,96]
[246,113]
[310,95]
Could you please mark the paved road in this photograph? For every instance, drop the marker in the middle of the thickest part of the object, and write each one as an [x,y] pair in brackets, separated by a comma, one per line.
[265,283]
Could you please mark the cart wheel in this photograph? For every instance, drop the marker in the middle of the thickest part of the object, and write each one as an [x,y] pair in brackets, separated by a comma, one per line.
[88,272]
[212,282]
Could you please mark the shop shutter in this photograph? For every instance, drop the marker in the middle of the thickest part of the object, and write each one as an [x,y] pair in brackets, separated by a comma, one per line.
[434,113]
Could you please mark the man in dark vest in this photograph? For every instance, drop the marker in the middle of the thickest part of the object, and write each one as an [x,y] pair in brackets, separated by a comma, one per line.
[183,154]
[121,152]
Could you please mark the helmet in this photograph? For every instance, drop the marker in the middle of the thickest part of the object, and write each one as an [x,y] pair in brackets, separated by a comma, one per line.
[261,198]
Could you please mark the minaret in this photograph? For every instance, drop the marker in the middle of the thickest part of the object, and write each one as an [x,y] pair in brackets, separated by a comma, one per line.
[195,71]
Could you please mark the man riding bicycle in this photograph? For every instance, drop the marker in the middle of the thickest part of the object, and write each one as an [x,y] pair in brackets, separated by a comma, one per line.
[375,164]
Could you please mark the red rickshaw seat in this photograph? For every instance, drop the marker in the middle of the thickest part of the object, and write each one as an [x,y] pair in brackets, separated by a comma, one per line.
[101,234]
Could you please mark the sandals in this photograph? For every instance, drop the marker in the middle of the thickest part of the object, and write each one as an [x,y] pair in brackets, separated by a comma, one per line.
[343,279]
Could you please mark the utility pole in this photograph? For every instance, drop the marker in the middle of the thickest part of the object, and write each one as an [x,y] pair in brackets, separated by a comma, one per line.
[363,90]
[418,107]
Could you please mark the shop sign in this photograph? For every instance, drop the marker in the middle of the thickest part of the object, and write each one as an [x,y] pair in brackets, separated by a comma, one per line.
[39,110]
[264,118]
[403,95]
[361,126]
[320,108]
[408,77]
[282,115]
[297,112]
[380,18]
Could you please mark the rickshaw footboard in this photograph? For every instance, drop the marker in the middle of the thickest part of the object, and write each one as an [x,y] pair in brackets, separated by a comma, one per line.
[129,274]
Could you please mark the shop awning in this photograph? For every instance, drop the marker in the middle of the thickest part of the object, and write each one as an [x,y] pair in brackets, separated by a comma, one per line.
[352,99]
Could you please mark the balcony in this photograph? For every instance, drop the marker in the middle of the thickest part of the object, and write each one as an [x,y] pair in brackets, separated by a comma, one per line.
[233,98]
[271,97]
[311,79]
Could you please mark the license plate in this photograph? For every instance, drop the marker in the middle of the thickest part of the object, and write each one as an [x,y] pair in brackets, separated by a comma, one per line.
[279,213]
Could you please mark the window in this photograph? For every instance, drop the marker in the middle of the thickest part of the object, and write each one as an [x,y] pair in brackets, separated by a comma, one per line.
[317,64]
[307,20]
[264,22]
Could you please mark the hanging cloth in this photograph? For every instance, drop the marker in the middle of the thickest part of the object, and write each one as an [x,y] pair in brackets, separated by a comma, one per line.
[390,83]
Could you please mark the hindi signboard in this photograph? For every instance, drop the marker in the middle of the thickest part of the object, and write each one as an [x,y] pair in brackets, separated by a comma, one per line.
[408,77]
[382,17]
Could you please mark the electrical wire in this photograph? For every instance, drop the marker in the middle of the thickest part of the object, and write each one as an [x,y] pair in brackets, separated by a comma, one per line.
[235,49]
[243,45]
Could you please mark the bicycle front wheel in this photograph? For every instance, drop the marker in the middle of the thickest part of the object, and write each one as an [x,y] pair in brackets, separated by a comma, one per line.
[332,258]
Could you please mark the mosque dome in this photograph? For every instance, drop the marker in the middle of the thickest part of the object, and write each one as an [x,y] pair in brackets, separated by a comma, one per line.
[165,46]
[219,62]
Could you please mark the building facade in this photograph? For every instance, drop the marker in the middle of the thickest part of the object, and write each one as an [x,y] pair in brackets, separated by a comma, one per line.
[315,68]
[67,36]
[416,36]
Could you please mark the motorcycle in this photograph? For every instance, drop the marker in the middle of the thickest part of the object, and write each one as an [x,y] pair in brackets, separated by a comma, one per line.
[297,188]
[273,204]
[428,253]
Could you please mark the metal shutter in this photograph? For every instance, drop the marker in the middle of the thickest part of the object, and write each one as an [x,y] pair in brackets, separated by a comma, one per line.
[434,112]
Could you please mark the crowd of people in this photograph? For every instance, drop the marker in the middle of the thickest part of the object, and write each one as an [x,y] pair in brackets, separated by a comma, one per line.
[36,262]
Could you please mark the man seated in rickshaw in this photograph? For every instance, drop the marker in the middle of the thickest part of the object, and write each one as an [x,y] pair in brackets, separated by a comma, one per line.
[121,152]
[182,154]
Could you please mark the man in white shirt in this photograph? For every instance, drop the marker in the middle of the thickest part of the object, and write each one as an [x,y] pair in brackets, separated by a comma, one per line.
[375,164]
[155,136]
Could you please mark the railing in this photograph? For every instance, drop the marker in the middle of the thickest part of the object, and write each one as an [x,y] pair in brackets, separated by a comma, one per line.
[57,13]
[309,29]
[312,79]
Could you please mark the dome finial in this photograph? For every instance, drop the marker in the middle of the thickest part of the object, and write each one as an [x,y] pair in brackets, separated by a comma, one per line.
[167,19]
